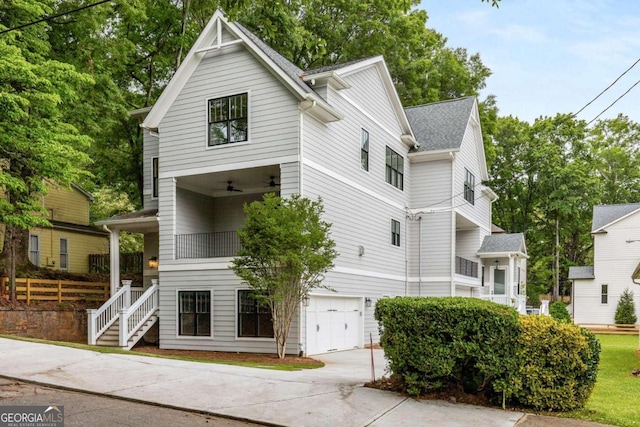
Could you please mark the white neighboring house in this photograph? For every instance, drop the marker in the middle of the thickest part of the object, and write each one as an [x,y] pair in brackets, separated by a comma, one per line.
[402,189]
[616,246]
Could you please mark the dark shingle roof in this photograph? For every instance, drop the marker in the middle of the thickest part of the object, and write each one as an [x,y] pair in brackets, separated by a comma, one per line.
[333,67]
[285,65]
[441,125]
[502,243]
[606,214]
[584,272]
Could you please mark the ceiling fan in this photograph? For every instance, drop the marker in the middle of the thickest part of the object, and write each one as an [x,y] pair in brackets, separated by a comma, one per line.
[272,182]
[231,188]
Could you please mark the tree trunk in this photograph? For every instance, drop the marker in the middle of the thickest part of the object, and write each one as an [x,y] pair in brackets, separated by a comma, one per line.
[14,252]
[556,262]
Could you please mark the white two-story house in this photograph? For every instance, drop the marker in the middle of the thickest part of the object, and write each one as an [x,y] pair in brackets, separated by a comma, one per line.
[402,189]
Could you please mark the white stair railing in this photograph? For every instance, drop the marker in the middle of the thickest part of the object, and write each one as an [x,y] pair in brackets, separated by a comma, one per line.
[132,318]
[99,320]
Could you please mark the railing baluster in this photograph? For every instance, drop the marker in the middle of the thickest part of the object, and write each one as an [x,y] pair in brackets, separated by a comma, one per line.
[207,245]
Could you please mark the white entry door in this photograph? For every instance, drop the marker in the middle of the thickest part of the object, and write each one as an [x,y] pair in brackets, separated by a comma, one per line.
[333,324]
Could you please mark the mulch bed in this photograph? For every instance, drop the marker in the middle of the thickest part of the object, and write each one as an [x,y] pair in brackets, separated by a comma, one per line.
[227,356]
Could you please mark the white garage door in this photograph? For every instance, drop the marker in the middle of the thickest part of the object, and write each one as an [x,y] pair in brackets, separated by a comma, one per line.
[333,323]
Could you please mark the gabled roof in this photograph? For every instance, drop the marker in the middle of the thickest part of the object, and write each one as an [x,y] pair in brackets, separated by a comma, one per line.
[440,125]
[582,272]
[605,215]
[503,244]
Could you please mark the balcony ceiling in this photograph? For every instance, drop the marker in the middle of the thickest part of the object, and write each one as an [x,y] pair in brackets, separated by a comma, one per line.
[463,223]
[250,181]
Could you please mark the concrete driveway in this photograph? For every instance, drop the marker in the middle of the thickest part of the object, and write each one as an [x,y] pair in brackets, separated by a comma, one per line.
[330,396]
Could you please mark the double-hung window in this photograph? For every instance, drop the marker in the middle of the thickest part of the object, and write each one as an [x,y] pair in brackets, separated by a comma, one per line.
[254,317]
[364,149]
[228,119]
[154,177]
[194,313]
[469,186]
[64,253]
[394,169]
[604,294]
[395,232]
[34,249]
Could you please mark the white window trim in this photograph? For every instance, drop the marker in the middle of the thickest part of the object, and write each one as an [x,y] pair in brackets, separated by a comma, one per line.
[401,237]
[362,130]
[39,248]
[206,120]
[177,317]
[155,197]
[237,326]
[601,294]
[60,254]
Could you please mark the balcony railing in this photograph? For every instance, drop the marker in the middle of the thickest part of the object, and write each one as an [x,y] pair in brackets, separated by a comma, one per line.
[466,267]
[207,245]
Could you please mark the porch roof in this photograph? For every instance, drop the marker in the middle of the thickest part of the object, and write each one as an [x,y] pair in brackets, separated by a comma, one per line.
[499,244]
[143,221]
[581,272]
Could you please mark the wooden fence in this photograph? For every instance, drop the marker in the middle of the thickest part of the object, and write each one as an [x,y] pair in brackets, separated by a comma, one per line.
[129,263]
[611,328]
[55,290]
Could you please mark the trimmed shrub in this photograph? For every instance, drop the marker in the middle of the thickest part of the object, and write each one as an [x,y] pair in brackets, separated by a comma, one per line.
[626,309]
[558,310]
[557,365]
[433,343]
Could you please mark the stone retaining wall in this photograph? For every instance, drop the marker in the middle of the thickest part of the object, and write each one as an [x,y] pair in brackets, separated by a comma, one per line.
[51,325]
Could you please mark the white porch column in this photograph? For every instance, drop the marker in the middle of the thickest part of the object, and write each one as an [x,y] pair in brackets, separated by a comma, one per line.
[510,281]
[114,253]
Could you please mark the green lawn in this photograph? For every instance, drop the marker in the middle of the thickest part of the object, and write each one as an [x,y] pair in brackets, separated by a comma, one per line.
[616,397]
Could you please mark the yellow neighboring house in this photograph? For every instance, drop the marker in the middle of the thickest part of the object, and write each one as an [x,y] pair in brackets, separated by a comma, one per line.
[68,243]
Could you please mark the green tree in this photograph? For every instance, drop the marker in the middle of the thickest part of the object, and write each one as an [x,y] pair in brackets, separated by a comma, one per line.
[37,146]
[626,310]
[286,250]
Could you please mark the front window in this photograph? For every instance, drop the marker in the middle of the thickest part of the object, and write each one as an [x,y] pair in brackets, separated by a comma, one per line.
[34,249]
[395,169]
[254,318]
[469,186]
[364,149]
[228,120]
[154,172]
[64,254]
[194,313]
[604,294]
[395,232]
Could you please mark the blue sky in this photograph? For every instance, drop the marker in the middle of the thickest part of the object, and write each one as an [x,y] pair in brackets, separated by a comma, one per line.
[549,56]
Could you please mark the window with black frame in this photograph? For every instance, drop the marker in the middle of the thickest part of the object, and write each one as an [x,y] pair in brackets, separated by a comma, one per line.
[194,313]
[254,317]
[469,187]
[228,120]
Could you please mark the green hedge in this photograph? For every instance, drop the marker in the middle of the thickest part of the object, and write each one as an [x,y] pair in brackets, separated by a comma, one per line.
[557,365]
[439,342]
[558,310]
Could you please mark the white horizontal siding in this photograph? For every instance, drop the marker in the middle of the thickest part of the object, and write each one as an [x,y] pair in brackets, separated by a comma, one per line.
[431,184]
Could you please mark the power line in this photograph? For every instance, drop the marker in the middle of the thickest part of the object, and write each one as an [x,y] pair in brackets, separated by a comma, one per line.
[47,18]
[613,103]
[606,89]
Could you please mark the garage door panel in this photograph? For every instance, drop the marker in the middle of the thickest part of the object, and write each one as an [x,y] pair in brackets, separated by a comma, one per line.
[333,323]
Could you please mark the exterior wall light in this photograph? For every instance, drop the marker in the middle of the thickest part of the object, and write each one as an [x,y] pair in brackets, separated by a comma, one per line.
[153,262]
[367,302]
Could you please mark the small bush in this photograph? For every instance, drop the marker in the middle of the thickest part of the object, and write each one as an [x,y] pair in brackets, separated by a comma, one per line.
[626,310]
[557,365]
[558,310]
[433,343]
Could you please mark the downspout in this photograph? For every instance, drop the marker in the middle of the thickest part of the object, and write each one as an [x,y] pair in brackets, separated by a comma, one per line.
[419,256]
[406,259]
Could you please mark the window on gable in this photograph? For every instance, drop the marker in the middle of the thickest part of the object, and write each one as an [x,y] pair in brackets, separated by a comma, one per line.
[154,179]
[194,313]
[469,186]
[364,149]
[254,318]
[34,249]
[228,120]
[395,232]
[64,254]
[394,169]
[604,294]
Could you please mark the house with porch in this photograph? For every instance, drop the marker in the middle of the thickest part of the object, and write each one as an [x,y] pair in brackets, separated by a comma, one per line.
[596,289]
[402,188]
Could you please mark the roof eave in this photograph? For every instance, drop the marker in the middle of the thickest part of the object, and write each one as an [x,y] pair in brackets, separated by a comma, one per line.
[424,156]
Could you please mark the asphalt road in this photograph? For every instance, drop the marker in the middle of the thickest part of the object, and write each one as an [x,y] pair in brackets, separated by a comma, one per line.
[83,410]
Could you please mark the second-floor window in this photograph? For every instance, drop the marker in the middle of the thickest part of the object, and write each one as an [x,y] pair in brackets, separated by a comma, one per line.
[604,294]
[394,169]
[469,186]
[228,120]
[364,149]
[154,179]
[395,232]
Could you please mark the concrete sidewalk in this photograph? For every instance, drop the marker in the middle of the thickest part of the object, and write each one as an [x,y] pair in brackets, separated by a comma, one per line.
[330,396]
